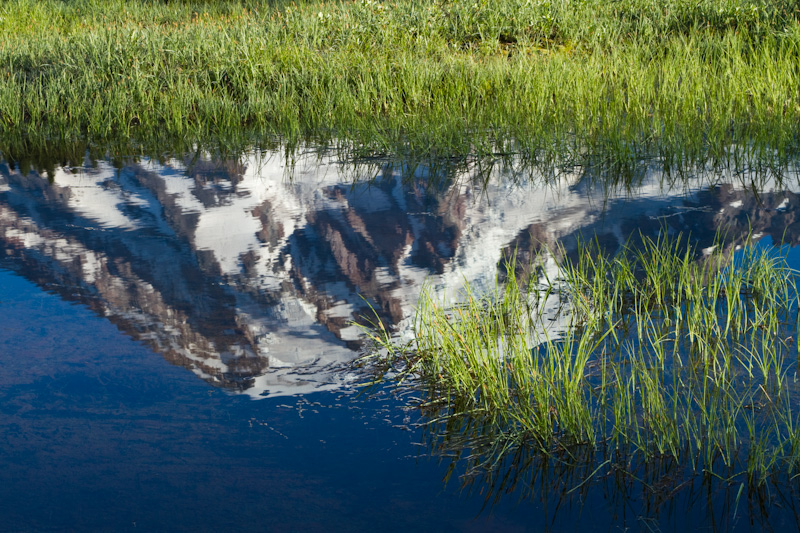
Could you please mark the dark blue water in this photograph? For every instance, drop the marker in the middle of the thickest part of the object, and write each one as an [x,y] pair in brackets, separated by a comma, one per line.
[99,432]
[144,308]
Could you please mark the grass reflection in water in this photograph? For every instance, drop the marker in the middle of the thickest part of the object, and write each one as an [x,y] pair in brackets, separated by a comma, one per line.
[663,363]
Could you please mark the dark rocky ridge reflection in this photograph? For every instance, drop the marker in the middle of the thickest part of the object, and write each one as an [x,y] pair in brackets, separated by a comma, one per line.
[253,281]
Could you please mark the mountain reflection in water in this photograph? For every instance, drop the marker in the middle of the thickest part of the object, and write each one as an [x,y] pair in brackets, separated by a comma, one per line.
[254,281]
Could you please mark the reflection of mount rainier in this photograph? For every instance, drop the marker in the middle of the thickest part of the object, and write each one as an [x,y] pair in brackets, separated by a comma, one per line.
[252,280]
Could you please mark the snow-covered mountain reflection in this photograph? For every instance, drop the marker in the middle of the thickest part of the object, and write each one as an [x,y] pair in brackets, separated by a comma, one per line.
[253,280]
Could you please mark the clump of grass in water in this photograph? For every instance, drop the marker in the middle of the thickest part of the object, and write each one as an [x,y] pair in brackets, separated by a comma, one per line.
[666,352]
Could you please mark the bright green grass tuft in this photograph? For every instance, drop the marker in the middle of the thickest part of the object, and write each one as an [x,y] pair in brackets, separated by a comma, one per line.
[666,352]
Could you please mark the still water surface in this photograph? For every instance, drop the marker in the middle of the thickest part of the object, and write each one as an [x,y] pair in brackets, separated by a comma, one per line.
[147,304]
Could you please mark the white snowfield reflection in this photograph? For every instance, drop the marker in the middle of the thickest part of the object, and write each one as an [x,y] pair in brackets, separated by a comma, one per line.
[252,274]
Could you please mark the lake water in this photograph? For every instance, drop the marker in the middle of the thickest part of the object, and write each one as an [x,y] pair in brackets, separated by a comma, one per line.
[176,338]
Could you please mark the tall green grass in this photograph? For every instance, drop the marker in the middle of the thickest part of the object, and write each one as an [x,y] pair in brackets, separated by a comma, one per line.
[664,352]
[680,78]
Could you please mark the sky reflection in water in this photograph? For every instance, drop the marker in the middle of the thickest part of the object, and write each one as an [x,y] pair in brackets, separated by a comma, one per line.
[251,281]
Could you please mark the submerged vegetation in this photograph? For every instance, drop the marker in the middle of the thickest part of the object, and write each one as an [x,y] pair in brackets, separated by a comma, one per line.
[679,78]
[661,352]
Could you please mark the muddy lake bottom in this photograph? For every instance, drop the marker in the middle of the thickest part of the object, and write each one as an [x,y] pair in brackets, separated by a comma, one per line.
[175,343]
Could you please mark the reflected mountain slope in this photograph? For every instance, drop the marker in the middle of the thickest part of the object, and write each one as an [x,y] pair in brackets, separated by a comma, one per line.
[254,281]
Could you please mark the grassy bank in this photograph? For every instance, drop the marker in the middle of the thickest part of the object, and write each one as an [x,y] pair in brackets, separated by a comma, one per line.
[681,78]
[666,353]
